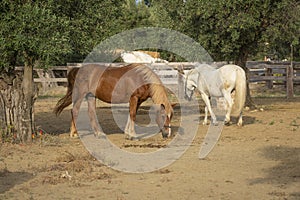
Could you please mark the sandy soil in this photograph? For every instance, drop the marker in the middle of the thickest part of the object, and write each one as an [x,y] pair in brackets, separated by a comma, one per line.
[260,160]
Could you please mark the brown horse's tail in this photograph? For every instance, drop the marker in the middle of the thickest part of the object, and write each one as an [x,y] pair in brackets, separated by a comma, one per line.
[67,99]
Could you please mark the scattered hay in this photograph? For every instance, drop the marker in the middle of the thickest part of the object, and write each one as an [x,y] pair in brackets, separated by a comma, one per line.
[52,180]
[148,145]
[66,157]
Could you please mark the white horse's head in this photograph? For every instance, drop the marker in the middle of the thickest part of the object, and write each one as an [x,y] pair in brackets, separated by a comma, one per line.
[190,83]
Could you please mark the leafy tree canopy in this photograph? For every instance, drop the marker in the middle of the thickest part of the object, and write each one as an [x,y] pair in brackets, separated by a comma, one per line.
[64,31]
[31,32]
[233,30]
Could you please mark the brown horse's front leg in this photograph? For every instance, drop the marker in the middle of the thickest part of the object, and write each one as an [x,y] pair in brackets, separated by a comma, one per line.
[133,105]
[127,127]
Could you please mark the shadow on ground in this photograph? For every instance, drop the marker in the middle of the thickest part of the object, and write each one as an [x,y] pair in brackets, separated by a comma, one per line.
[10,179]
[286,172]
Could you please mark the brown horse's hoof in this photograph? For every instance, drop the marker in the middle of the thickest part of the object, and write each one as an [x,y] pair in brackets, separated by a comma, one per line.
[74,135]
[126,136]
[132,138]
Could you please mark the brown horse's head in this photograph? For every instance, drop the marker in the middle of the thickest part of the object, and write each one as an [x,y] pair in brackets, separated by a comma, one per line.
[163,120]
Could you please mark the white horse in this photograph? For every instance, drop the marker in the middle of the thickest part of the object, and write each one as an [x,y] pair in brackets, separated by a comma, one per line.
[222,82]
[139,57]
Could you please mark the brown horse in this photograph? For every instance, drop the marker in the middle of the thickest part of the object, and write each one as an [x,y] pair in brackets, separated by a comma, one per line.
[133,83]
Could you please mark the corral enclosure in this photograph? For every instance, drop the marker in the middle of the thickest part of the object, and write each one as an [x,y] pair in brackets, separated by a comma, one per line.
[257,161]
[271,73]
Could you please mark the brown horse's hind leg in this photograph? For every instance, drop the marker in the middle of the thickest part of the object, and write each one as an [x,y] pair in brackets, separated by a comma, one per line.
[93,117]
[74,113]
[73,130]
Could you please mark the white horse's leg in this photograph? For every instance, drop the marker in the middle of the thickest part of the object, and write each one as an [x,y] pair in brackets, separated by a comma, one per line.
[229,101]
[240,120]
[207,103]
[205,116]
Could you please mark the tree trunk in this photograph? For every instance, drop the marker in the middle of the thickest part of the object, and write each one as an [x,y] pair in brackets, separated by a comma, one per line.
[16,106]
[28,90]
[241,61]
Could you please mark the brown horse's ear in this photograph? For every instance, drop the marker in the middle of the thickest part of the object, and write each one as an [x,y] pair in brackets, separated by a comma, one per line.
[159,108]
[162,109]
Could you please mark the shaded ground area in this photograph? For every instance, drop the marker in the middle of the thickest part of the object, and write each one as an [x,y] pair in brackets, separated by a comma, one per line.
[257,161]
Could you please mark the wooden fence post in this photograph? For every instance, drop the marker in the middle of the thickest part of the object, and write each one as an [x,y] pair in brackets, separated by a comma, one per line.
[269,72]
[44,75]
[180,82]
[289,77]
[289,81]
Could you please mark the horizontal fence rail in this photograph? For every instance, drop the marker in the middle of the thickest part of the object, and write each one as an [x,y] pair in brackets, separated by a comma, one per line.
[271,73]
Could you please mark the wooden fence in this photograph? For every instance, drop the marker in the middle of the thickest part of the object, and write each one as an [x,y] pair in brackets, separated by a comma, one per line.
[269,72]
[284,73]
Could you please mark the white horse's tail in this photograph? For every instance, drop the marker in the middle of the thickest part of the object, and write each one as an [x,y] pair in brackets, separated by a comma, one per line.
[240,92]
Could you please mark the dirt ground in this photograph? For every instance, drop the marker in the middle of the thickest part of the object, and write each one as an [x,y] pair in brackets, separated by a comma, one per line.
[260,160]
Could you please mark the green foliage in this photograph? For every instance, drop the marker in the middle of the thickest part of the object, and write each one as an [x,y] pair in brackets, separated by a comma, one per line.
[167,14]
[233,30]
[134,15]
[63,31]
[31,32]
[90,23]
[285,30]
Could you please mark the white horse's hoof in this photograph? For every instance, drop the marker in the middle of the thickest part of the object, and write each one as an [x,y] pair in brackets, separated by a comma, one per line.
[101,136]
[215,123]
[227,123]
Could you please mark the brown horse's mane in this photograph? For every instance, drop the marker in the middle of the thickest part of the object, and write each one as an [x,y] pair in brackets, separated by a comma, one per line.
[158,91]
